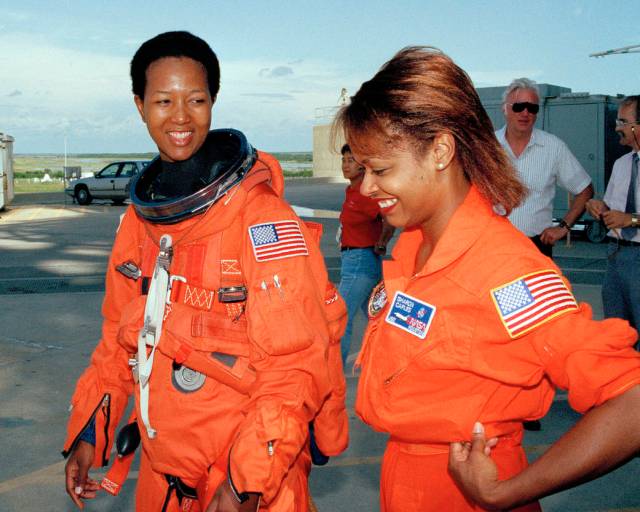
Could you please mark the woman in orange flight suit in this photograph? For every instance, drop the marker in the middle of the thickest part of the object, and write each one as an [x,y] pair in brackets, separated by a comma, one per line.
[472,328]
[213,314]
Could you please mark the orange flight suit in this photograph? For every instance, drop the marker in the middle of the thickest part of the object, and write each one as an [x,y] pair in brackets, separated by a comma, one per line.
[278,340]
[463,351]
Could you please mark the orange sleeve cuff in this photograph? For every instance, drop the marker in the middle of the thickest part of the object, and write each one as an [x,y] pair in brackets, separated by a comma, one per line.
[265,449]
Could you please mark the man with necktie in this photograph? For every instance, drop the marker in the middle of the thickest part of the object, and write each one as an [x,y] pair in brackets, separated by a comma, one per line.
[619,211]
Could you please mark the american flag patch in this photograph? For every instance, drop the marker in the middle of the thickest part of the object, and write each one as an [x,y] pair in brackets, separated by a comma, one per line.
[277,240]
[531,301]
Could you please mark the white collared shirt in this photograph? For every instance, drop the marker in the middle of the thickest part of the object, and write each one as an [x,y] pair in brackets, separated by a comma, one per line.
[545,162]
[616,194]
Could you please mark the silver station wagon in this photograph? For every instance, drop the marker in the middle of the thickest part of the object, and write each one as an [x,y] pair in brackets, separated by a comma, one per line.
[112,183]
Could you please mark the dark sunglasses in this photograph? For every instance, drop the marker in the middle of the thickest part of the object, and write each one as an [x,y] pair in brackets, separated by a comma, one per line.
[533,108]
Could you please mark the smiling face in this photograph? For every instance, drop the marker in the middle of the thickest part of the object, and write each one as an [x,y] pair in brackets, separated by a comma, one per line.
[407,187]
[176,106]
[520,123]
[629,128]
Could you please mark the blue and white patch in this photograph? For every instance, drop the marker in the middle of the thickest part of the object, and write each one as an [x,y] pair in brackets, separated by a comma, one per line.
[411,314]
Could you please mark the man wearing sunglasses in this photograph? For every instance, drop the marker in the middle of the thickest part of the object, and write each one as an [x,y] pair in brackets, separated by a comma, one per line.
[542,161]
[619,212]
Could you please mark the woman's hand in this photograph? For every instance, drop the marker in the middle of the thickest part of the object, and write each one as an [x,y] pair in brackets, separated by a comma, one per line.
[473,470]
[591,448]
[79,485]
[224,500]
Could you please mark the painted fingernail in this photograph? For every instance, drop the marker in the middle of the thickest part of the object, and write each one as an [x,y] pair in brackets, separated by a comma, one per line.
[478,428]
[78,490]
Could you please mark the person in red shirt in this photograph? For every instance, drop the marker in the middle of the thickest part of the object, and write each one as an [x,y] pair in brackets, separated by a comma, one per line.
[472,328]
[363,242]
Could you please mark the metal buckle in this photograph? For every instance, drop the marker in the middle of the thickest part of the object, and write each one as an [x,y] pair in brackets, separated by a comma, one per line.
[170,287]
[232,294]
[165,255]
[129,269]
[133,363]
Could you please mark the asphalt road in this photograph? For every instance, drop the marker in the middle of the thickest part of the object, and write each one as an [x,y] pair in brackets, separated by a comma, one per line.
[51,284]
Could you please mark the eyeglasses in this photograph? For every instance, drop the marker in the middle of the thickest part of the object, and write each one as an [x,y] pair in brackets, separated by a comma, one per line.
[532,108]
[621,122]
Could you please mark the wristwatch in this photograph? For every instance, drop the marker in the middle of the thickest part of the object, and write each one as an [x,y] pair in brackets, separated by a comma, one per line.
[635,221]
[563,224]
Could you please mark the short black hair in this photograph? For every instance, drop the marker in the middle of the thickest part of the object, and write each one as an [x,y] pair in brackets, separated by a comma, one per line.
[174,44]
[345,149]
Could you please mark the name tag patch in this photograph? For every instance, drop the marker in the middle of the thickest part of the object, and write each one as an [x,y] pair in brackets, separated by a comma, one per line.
[411,314]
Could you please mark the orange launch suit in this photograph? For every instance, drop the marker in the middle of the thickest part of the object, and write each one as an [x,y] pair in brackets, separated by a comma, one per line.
[472,364]
[271,350]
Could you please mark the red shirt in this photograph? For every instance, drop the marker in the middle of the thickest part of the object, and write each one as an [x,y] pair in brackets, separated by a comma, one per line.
[360,219]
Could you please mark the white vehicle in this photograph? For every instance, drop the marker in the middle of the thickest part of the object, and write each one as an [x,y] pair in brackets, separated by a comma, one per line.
[112,182]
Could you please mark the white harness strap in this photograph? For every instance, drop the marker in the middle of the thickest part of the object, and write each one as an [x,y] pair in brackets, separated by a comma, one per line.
[152,329]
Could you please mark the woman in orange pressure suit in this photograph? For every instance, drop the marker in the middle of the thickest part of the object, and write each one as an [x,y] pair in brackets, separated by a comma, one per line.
[214,318]
[471,323]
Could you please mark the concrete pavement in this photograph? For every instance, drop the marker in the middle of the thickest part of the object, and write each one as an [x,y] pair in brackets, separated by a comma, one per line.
[53,259]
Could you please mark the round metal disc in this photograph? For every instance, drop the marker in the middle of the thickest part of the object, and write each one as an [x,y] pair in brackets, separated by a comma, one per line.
[187,380]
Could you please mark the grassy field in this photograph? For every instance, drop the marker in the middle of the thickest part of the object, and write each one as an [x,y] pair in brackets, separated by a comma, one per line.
[29,169]
[23,186]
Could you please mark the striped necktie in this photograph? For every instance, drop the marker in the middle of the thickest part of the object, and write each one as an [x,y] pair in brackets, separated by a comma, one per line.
[628,233]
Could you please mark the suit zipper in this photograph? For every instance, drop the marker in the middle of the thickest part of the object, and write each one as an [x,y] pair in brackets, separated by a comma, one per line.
[392,377]
[65,453]
[106,410]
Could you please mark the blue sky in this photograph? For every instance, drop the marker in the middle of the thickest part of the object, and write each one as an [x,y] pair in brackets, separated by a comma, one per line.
[64,64]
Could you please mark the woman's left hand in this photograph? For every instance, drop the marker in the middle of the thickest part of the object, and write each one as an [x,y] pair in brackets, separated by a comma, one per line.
[225,501]
[473,470]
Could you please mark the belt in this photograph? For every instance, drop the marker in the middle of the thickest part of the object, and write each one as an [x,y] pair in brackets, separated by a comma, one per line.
[347,248]
[623,242]
[509,440]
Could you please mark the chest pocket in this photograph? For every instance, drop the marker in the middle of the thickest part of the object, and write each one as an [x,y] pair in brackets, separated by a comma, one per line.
[446,345]
[277,323]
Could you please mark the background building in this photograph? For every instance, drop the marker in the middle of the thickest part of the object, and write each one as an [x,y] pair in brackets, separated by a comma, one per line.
[6,170]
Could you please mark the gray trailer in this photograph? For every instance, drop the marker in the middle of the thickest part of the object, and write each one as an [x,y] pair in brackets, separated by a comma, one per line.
[586,123]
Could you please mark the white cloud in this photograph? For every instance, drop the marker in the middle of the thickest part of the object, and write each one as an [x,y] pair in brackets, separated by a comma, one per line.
[87,95]
[61,89]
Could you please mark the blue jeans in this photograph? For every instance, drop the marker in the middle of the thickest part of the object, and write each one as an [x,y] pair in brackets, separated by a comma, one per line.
[360,271]
[621,286]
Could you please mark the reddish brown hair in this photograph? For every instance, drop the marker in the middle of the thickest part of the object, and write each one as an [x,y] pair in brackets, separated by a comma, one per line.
[417,95]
